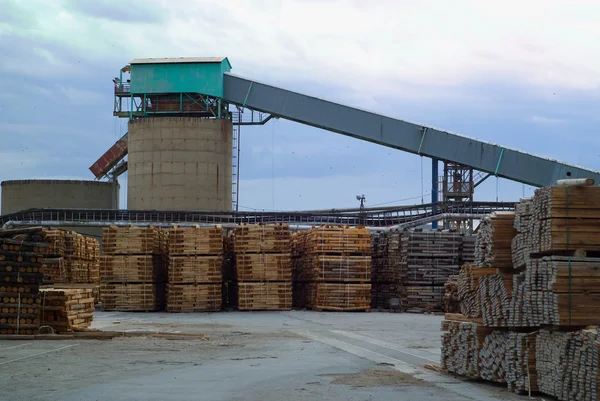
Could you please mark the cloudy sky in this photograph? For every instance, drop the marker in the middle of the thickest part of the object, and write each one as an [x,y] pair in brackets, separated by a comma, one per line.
[524,74]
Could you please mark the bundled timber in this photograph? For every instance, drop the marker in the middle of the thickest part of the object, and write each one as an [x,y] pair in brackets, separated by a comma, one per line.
[132,240]
[71,258]
[495,291]
[22,268]
[451,299]
[461,345]
[264,296]
[492,357]
[257,238]
[341,268]
[263,267]
[56,242]
[521,371]
[195,240]
[131,297]
[523,241]
[387,276]
[194,297]
[336,240]
[195,269]
[468,289]
[67,309]
[567,364]
[132,268]
[429,258]
[383,293]
[467,254]
[339,297]
[494,239]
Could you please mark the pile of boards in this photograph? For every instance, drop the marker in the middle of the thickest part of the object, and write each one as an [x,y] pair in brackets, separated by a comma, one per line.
[67,310]
[525,307]
[133,268]
[195,269]
[72,260]
[262,267]
[332,268]
[22,255]
[414,266]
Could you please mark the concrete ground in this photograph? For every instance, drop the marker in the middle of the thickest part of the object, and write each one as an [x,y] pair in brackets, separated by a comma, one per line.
[263,356]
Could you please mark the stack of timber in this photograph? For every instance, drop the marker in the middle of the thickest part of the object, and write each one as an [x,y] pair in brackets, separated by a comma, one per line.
[133,269]
[22,255]
[195,269]
[67,310]
[333,268]
[387,274]
[467,254]
[523,240]
[492,357]
[521,370]
[451,299]
[494,238]
[567,363]
[72,260]
[462,342]
[262,267]
[429,258]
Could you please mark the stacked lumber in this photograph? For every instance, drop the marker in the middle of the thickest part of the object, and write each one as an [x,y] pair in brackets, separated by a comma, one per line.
[133,269]
[567,363]
[195,269]
[387,275]
[468,249]
[451,299]
[521,370]
[332,268]
[523,240]
[67,309]
[71,258]
[495,293]
[492,357]
[22,254]
[461,345]
[262,267]
[494,239]
[429,258]
[468,289]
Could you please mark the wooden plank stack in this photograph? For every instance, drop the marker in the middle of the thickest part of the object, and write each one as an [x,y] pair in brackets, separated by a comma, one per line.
[521,370]
[133,269]
[461,344]
[333,268]
[195,269]
[451,299]
[72,258]
[429,258]
[22,254]
[387,274]
[262,267]
[494,238]
[567,363]
[67,309]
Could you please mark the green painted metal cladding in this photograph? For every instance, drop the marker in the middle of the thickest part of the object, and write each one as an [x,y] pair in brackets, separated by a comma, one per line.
[205,78]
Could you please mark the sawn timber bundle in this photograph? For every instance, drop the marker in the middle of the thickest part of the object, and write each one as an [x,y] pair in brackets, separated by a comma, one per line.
[67,310]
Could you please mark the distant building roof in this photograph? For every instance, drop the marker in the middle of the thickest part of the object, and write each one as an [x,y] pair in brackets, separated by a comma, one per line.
[173,60]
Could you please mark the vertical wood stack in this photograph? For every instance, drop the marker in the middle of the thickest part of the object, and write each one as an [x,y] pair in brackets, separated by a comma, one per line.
[195,269]
[21,274]
[538,304]
[262,267]
[429,258]
[387,274]
[67,309]
[133,269]
[333,268]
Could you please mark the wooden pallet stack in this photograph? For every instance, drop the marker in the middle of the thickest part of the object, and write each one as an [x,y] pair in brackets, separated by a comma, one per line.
[22,255]
[133,268]
[262,267]
[333,268]
[387,275]
[429,258]
[67,310]
[195,269]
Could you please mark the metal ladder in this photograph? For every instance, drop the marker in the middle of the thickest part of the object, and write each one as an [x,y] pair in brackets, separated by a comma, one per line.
[235,159]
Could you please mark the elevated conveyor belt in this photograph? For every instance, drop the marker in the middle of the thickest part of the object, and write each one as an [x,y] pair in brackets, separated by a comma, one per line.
[398,134]
[384,217]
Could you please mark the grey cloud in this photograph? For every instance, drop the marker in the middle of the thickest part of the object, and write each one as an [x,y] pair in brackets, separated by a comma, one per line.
[115,10]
